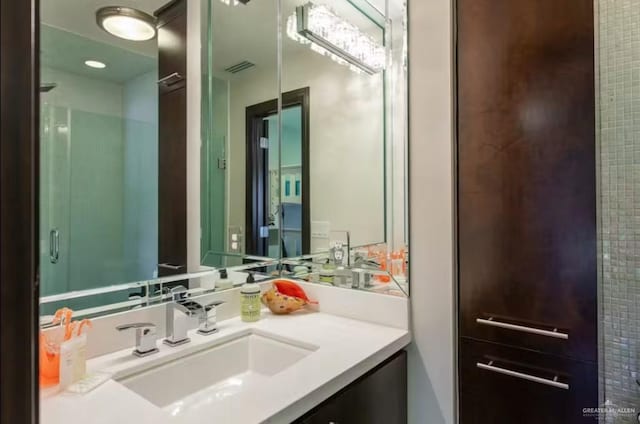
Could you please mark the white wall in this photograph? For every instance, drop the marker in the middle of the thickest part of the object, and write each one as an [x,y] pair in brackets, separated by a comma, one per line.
[194,131]
[431,356]
[346,142]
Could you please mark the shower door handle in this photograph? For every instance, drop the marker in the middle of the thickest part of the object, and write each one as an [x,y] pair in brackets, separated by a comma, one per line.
[54,246]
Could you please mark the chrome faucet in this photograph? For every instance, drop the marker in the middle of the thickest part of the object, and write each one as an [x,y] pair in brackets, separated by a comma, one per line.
[177,322]
[207,323]
[181,309]
[145,337]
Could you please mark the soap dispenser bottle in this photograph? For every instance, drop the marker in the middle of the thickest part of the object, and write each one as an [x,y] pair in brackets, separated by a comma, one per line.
[224,282]
[250,300]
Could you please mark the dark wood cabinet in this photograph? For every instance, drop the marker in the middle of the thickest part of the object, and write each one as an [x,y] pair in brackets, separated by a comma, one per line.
[526,164]
[172,45]
[172,183]
[504,385]
[172,139]
[526,200]
[379,397]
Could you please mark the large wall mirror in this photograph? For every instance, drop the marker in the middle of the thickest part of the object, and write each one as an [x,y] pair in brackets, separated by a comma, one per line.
[334,51]
[181,137]
[98,150]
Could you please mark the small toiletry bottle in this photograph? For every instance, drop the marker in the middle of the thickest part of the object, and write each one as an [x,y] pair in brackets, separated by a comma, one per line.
[224,282]
[73,360]
[208,282]
[250,300]
[327,273]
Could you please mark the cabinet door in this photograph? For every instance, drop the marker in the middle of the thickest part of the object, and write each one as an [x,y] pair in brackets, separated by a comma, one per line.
[172,183]
[172,46]
[526,174]
[379,397]
[502,385]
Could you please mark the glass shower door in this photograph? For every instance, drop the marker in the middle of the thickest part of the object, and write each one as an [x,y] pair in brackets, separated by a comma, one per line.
[55,177]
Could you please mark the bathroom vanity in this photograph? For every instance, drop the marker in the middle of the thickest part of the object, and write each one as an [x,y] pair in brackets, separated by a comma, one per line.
[342,365]
[233,137]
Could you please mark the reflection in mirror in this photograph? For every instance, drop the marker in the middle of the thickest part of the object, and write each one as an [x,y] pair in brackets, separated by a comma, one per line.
[100,301]
[186,144]
[335,52]
[99,150]
[239,160]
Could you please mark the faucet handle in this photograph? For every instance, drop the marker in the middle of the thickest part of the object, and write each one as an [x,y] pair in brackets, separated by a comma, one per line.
[211,305]
[208,322]
[146,337]
[179,293]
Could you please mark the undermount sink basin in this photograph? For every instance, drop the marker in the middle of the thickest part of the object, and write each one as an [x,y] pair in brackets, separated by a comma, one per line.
[216,373]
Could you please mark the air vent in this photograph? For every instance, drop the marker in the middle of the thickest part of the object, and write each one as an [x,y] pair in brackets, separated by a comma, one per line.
[238,67]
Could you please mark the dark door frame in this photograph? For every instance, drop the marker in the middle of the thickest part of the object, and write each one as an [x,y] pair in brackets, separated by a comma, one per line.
[19,133]
[256,213]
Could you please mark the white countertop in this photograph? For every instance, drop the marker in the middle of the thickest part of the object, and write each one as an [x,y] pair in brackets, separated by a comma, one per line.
[346,349]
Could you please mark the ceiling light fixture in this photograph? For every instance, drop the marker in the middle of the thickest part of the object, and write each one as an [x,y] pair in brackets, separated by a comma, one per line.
[95,64]
[330,35]
[127,23]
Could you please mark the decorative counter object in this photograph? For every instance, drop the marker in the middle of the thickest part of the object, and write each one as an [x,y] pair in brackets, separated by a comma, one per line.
[285,297]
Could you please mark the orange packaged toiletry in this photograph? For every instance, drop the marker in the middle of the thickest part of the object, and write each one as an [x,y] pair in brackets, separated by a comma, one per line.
[49,362]
[50,341]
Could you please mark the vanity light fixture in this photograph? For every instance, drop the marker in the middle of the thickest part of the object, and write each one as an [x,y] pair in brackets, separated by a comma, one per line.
[332,36]
[95,64]
[125,22]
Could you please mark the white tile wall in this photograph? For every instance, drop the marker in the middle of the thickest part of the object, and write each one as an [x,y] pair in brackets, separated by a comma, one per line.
[619,85]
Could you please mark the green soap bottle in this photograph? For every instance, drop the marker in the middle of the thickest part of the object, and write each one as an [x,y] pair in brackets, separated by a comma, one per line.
[250,300]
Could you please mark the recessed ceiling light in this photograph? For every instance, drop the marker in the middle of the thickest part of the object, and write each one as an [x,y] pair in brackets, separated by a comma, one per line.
[95,64]
[127,23]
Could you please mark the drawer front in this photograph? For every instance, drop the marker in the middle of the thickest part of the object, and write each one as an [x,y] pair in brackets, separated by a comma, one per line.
[504,385]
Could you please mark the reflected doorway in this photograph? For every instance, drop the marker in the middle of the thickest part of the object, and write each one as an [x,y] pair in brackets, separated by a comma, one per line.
[278,202]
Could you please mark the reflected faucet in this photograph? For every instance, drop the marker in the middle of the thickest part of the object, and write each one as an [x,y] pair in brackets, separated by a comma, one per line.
[336,251]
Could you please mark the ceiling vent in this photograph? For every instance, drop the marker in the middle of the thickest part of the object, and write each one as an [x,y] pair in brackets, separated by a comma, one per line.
[238,67]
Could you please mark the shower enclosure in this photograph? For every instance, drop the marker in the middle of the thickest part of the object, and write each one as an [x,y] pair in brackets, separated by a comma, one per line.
[55,184]
[98,170]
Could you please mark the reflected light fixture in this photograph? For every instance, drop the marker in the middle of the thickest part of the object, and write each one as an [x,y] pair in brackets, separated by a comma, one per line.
[95,64]
[234,2]
[127,23]
[329,34]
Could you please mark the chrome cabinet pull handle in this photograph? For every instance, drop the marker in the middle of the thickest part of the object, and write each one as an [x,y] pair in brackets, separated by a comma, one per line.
[54,246]
[171,79]
[555,333]
[523,376]
[170,266]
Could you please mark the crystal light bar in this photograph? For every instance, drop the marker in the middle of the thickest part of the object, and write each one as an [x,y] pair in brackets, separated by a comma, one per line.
[332,36]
